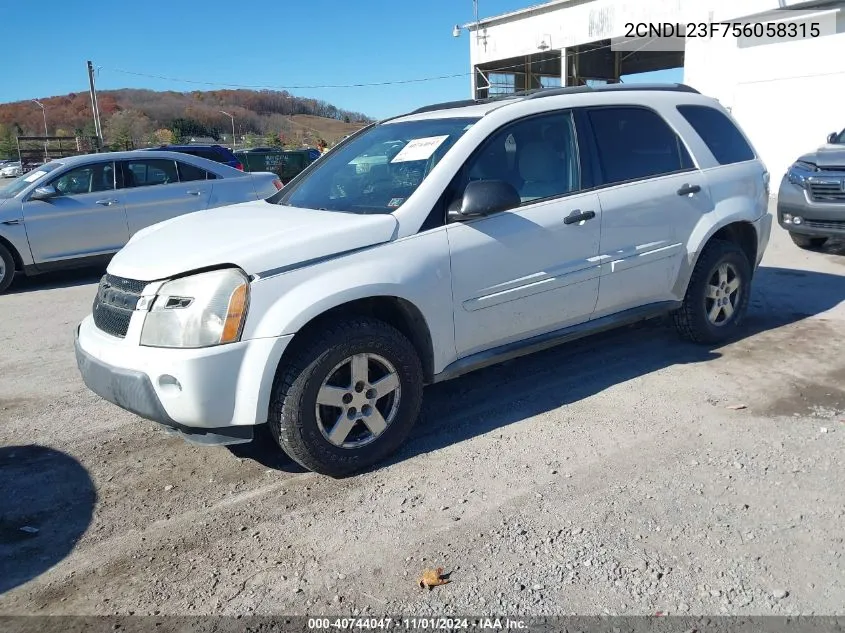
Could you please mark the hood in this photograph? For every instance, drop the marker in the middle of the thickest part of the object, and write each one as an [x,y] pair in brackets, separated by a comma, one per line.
[828,156]
[256,236]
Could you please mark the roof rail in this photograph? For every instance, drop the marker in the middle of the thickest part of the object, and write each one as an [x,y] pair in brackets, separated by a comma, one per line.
[448,105]
[570,90]
[539,93]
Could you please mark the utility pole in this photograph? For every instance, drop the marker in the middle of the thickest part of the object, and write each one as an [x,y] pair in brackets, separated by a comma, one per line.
[95,108]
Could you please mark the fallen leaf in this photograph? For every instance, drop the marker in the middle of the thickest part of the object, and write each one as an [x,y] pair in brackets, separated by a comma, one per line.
[432,578]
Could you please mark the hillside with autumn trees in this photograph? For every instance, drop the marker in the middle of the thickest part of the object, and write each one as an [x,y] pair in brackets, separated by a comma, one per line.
[137,118]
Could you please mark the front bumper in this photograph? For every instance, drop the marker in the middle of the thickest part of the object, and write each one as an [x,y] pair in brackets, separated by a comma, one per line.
[210,396]
[818,219]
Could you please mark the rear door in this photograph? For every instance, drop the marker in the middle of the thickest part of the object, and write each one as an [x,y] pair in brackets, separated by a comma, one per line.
[86,218]
[651,196]
[153,192]
[197,181]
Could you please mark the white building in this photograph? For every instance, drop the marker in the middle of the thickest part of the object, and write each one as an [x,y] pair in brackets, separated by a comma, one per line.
[786,93]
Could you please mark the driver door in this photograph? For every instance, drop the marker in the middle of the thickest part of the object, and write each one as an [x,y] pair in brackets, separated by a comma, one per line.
[529,270]
[85,218]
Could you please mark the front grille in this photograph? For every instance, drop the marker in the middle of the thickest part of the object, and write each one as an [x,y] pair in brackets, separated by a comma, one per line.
[833,225]
[115,301]
[826,192]
[127,285]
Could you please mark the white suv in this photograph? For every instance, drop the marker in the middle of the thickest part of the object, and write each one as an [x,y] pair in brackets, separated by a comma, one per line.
[422,248]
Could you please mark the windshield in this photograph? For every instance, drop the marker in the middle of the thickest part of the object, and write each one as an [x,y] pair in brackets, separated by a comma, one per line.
[839,139]
[22,182]
[379,170]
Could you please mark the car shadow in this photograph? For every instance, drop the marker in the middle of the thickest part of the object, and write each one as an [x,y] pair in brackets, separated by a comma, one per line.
[834,247]
[57,279]
[504,394]
[495,397]
[47,501]
[264,450]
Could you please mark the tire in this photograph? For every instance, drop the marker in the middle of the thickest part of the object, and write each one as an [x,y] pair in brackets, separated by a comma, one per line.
[694,319]
[807,242]
[7,268]
[303,427]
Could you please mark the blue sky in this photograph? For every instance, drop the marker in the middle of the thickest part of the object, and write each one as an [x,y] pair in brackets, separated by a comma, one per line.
[273,44]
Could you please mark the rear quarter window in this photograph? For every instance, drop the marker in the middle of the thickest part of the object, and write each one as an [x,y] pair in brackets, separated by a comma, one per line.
[719,133]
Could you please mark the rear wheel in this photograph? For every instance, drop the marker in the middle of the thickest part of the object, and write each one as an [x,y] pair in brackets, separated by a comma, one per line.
[805,241]
[717,296]
[348,397]
[7,268]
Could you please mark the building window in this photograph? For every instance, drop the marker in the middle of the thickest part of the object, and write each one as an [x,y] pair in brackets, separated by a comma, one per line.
[502,83]
[550,82]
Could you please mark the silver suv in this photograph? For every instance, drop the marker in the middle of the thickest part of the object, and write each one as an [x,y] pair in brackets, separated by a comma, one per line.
[425,247]
[811,198]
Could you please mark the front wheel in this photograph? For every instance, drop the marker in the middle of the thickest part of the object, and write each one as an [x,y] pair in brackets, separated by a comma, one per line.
[807,242]
[717,296]
[7,268]
[348,397]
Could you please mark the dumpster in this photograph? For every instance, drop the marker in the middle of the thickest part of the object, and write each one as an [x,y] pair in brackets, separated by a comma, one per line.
[284,163]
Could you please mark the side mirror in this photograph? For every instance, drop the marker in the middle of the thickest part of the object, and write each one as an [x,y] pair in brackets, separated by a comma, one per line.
[484,197]
[831,138]
[44,193]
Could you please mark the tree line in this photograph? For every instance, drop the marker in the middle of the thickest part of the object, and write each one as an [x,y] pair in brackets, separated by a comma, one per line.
[135,117]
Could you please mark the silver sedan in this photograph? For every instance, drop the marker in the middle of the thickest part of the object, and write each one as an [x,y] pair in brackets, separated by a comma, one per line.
[80,211]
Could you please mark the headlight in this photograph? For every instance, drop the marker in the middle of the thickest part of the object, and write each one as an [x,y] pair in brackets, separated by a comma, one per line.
[799,172]
[198,311]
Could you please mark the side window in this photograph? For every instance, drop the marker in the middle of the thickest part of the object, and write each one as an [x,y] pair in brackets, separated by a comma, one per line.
[636,143]
[188,172]
[87,179]
[719,133]
[538,156]
[143,173]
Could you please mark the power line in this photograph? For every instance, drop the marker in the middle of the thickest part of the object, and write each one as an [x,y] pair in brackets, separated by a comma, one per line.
[269,87]
[218,84]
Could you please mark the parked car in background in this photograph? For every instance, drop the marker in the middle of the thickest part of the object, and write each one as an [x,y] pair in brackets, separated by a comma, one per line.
[811,198]
[287,164]
[81,210]
[478,232]
[11,170]
[31,165]
[217,153]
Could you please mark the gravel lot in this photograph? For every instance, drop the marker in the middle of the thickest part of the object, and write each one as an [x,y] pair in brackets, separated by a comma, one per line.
[616,475]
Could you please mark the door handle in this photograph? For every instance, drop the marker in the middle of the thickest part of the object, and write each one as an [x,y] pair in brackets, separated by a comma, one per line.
[195,193]
[106,203]
[12,222]
[579,216]
[688,189]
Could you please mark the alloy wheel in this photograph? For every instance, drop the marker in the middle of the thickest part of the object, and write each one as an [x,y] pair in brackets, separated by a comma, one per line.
[358,400]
